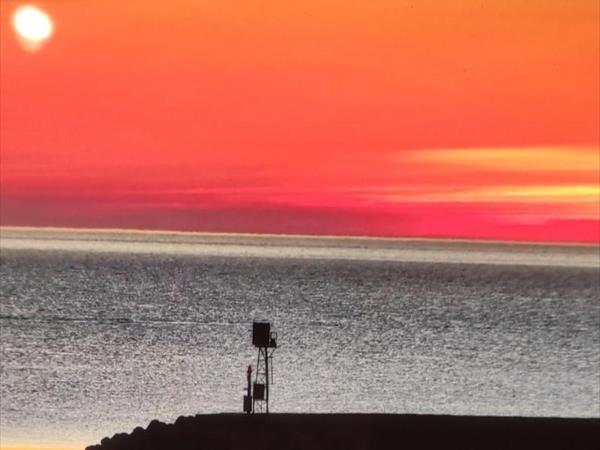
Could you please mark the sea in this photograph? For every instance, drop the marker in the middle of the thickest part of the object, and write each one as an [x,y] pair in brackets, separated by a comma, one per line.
[105,331]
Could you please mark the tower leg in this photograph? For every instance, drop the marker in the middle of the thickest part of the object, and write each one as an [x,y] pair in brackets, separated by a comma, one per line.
[267,379]
[256,379]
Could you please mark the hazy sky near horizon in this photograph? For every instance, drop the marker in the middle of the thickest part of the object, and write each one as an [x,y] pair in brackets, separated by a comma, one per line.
[476,119]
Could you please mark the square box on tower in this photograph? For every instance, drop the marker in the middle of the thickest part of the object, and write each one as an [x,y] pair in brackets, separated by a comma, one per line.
[261,334]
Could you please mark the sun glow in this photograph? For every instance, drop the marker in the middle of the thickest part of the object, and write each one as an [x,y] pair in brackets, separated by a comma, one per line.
[33,26]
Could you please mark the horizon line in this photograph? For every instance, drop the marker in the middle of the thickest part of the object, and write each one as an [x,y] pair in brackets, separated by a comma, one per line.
[142,231]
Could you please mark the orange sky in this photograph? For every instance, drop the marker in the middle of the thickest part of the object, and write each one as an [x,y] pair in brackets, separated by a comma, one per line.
[475,119]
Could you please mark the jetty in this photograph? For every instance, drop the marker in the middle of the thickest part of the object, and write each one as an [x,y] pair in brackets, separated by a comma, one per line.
[358,432]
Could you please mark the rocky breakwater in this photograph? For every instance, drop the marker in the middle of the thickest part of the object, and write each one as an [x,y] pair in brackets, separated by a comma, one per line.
[357,432]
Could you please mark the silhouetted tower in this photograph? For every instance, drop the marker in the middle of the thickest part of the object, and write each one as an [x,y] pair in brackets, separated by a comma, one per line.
[266,343]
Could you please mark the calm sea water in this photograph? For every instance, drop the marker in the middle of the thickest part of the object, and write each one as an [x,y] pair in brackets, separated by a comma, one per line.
[94,343]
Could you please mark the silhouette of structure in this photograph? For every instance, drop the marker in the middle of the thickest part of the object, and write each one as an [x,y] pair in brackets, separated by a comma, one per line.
[257,397]
[358,432]
[248,396]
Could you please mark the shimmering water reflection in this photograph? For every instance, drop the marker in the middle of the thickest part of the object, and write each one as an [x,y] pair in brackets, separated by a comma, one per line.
[94,343]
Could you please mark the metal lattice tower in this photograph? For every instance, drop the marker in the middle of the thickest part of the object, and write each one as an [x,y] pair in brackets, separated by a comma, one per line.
[257,400]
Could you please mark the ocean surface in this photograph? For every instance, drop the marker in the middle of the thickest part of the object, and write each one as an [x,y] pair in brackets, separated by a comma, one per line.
[100,334]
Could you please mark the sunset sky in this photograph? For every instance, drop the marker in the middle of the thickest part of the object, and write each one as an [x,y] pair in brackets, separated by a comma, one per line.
[436,118]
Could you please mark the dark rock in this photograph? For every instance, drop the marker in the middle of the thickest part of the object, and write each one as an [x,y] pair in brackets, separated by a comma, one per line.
[357,432]
[155,425]
[119,440]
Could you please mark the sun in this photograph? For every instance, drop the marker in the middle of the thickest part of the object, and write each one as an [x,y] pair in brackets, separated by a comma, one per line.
[33,26]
